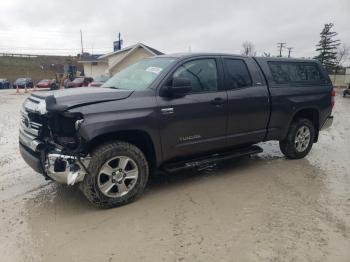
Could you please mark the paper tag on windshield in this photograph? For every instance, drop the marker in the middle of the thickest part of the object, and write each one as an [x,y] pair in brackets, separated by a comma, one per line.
[153,69]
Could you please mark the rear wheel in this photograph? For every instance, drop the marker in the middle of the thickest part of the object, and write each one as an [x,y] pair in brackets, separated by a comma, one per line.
[118,174]
[299,140]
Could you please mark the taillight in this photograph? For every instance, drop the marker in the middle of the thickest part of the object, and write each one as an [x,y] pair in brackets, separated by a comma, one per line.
[332,98]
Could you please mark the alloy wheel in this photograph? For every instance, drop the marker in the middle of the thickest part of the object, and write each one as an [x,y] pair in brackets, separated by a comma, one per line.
[302,139]
[117,176]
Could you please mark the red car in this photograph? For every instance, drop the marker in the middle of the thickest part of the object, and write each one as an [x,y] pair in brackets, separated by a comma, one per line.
[80,82]
[45,83]
[99,81]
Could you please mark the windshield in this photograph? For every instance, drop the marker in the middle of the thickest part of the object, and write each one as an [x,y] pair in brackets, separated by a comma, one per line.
[21,80]
[140,75]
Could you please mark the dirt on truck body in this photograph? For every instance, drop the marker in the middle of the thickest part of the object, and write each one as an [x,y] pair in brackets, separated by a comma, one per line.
[170,113]
[262,209]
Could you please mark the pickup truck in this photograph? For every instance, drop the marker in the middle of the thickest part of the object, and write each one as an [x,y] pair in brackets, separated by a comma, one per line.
[173,112]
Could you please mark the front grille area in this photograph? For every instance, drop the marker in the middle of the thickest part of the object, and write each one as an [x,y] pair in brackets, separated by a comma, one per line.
[31,125]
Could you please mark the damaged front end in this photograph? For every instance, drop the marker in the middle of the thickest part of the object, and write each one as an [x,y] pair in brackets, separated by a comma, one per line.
[50,141]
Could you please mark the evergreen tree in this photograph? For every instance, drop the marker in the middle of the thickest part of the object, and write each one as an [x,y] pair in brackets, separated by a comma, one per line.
[327,47]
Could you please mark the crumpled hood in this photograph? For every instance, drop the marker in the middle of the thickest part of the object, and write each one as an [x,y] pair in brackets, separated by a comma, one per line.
[75,97]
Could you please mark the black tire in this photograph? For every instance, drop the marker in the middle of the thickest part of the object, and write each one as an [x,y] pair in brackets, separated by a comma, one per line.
[100,156]
[288,145]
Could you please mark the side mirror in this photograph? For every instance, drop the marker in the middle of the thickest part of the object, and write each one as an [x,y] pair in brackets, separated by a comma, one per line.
[179,88]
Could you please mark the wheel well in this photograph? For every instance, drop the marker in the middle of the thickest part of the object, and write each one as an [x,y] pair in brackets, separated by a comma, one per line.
[136,137]
[313,115]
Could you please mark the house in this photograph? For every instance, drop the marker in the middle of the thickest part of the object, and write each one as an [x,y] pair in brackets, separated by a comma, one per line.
[347,76]
[111,63]
[341,80]
[93,66]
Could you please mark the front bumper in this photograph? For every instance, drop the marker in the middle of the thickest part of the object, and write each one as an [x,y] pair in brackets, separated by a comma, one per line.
[64,169]
[327,123]
[32,159]
[44,156]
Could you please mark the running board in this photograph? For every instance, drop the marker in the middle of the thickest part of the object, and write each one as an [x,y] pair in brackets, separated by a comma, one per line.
[209,159]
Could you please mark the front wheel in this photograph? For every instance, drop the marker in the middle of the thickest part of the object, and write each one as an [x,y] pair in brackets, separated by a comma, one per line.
[299,140]
[118,174]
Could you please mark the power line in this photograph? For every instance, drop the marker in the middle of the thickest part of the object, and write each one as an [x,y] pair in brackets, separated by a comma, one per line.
[81,41]
[41,48]
[49,52]
[41,31]
[2,31]
[26,48]
[281,45]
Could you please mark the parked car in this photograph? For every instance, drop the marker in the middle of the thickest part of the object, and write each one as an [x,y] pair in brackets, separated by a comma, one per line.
[22,82]
[54,85]
[66,82]
[80,82]
[4,83]
[45,83]
[99,81]
[173,112]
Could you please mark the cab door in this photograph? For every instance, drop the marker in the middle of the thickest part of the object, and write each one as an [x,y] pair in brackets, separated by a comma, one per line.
[248,101]
[195,123]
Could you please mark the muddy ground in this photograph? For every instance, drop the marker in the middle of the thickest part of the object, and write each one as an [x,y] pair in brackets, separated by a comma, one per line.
[264,208]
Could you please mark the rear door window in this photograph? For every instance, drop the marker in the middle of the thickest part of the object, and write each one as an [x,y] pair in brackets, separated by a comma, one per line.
[236,74]
[296,72]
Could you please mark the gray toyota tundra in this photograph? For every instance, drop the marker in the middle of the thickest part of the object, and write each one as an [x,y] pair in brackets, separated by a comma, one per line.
[173,112]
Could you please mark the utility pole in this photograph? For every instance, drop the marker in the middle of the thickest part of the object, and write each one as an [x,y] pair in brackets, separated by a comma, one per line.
[281,45]
[81,42]
[120,43]
[289,51]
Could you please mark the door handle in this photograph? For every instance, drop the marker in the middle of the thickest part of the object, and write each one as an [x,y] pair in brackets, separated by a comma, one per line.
[218,101]
[167,111]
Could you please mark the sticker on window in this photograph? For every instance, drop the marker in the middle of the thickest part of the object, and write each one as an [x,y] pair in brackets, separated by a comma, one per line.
[153,69]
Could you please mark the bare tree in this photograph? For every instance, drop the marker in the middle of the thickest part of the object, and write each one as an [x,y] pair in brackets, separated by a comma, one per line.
[248,49]
[343,52]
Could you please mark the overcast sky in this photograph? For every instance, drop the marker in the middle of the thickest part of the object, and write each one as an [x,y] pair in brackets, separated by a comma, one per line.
[52,26]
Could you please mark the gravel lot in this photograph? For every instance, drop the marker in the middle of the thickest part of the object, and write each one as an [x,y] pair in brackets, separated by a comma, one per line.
[265,208]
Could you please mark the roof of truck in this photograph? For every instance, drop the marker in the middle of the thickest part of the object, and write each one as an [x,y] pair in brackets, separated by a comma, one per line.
[284,59]
[199,54]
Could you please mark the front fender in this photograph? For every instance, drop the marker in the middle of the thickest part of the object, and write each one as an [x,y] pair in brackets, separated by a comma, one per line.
[100,125]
